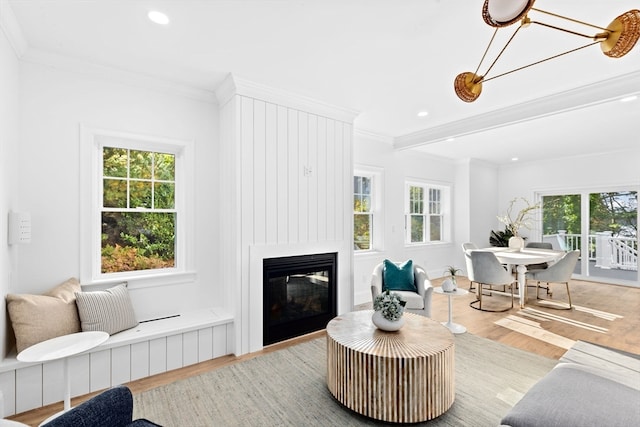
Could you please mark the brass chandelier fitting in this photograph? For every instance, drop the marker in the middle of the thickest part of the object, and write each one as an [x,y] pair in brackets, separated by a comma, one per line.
[616,40]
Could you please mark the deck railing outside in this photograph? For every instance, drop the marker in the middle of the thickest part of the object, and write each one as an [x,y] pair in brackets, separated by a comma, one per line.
[607,251]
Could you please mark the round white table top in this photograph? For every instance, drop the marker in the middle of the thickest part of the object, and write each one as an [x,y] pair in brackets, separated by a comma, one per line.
[458,291]
[62,346]
[524,256]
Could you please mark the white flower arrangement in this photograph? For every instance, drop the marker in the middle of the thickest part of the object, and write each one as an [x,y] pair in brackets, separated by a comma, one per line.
[522,219]
[390,305]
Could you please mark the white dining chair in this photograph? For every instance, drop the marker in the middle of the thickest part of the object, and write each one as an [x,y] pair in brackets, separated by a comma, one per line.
[560,272]
[467,248]
[488,271]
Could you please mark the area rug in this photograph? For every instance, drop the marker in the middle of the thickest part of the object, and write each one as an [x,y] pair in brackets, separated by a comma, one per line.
[288,388]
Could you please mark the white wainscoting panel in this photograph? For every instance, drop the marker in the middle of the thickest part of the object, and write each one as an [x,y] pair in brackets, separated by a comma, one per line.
[174,352]
[100,370]
[157,356]
[139,360]
[28,388]
[120,364]
[190,348]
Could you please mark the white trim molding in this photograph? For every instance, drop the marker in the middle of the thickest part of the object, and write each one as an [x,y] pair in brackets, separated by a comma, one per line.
[234,85]
[12,30]
[574,99]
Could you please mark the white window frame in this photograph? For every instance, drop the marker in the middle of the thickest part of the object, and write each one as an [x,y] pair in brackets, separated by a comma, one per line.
[445,212]
[92,142]
[377,182]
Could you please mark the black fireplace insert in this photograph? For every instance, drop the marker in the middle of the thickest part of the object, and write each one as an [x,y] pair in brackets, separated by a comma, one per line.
[299,295]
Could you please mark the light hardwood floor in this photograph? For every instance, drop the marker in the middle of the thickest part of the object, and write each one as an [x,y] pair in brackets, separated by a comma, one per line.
[603,314]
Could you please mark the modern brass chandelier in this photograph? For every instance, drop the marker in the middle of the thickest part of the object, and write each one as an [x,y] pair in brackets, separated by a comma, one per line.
[616,40]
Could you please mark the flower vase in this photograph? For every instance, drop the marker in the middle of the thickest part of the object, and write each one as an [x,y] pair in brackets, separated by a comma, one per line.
[516,242]
[384,324]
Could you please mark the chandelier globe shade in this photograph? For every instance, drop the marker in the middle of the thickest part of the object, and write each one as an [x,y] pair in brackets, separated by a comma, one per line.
[502,13]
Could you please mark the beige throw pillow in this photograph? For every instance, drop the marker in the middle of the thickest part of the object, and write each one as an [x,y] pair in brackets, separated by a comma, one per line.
[110,310]
[37,318]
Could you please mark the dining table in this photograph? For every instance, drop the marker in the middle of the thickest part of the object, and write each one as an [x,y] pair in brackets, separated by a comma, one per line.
[521,258]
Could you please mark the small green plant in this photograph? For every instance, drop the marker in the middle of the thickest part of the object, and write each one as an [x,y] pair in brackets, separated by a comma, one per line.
[452,271]
[390,304]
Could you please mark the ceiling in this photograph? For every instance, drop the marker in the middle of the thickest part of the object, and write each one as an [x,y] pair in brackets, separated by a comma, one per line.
[386,59]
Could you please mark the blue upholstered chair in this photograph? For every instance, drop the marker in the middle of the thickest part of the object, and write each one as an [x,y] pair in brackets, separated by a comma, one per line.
[111,408]
[418,299]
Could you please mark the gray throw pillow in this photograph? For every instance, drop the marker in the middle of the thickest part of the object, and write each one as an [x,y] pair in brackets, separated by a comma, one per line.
[110,310]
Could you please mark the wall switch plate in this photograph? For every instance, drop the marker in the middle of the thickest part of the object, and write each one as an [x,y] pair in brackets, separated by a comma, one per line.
[19,227]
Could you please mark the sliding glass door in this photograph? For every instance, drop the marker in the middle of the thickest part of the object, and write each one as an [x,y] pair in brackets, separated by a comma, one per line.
[602,225]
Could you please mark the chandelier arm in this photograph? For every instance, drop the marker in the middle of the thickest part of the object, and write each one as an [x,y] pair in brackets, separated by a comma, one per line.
[569,19]
[563,29]
[486,50]
[502,51]
[541,61]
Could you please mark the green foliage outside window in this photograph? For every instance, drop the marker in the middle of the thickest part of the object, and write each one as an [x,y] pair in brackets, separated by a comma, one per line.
[362,216]
[611,211]
[138,215]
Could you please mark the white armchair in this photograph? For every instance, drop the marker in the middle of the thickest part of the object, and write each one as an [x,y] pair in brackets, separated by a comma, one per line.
[417,302]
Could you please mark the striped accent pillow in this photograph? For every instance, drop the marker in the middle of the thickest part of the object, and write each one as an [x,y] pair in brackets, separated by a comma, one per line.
[110,310]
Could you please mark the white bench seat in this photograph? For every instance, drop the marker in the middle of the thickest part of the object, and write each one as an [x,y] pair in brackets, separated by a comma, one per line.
[150,348]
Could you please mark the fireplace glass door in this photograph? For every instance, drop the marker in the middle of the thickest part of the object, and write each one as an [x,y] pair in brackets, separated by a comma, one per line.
[299,295]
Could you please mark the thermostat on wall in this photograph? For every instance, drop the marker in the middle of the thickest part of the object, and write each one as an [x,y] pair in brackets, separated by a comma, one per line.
[19,227]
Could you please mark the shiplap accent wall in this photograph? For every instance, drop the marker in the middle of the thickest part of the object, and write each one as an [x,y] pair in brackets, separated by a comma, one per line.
[286,181]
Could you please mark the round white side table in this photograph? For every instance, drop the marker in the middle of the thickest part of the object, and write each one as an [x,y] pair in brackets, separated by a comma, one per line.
[453,327]
[63,347]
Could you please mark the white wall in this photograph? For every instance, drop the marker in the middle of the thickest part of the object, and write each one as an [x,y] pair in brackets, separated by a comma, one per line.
[397,166]
[54,103]
[9,136]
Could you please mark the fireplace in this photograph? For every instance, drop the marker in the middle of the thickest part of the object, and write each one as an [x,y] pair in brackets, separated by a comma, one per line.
[299,295]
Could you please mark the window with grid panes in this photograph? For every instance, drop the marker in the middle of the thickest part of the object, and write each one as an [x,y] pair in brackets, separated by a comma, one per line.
[425,209]
[138,213]
[362,213]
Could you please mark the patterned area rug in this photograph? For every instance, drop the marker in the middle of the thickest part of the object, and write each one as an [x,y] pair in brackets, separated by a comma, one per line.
[288,388]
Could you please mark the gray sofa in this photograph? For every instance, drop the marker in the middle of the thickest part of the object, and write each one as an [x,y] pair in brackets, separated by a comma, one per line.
[592,385]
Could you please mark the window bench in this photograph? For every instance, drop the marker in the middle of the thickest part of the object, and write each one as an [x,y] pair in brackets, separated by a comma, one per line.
[150,348]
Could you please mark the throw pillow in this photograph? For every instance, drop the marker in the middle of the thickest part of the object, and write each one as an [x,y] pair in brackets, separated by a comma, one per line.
[398,277]
[110,310]
[37,318]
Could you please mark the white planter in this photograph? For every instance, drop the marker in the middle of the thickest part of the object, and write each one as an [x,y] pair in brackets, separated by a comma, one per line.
[386,325]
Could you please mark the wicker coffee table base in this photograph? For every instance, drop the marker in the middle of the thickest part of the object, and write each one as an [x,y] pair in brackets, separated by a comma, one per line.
[403,377]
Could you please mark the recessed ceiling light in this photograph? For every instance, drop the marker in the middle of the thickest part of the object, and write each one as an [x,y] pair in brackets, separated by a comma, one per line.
[514,159]
[158,17]
[629,98]
[451,139]
[423,114]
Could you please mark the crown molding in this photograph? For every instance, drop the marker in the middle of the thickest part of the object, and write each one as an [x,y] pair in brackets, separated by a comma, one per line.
[11,29]
[365,134]
[138,80]
[574,99]
[234,85]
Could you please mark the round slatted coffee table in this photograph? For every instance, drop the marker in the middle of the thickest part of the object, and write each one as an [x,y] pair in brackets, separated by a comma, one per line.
[402,377]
